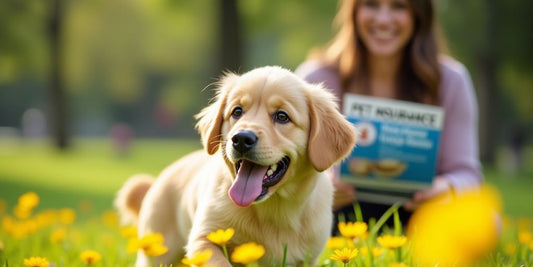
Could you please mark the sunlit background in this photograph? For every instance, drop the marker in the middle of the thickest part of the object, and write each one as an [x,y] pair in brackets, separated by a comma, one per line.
[93,91]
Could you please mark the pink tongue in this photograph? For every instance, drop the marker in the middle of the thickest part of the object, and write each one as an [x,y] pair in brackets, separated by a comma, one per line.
[248,183]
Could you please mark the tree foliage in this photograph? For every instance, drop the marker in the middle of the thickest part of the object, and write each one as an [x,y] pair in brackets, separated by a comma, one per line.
[132,61]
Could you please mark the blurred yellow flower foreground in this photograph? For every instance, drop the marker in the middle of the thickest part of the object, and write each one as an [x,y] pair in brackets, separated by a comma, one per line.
[456,229]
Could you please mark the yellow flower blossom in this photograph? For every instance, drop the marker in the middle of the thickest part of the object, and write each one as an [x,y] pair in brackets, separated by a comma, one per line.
[336,242]
[36,262]
[455,229]
[46,217]
[129,231]
[376,251]
[22,212]
[90,257]
[247,253]
[199,259]
[58,235]
[67,216]
[344,255]
[221,237]
[28,201]
[392,242]
[151,244]
[524,237]
[352,229]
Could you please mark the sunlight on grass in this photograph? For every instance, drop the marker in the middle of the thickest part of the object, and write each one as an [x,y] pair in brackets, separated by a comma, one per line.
[90,167]
[57,237]
[67,219]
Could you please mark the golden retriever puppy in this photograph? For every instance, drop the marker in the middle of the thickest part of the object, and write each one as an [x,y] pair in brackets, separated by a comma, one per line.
[267,138]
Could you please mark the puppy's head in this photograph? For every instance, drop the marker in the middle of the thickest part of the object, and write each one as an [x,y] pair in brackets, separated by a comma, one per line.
[271,127]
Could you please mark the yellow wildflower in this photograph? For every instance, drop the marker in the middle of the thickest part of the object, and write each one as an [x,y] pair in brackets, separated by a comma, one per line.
[67,216]
[36,262]
[247,253]
[199,258]
[344,255]
[110,218]
[28,200]
[22,212]
[129,231]
[221,237]
[352,229]
[46,217]
[524,237]
[458,231]
[58,235]
[392,242]
[376,251]
[151,244]
[336,242]
[90,257]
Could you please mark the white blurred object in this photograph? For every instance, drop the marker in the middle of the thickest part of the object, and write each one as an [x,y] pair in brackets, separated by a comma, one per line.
[33,124]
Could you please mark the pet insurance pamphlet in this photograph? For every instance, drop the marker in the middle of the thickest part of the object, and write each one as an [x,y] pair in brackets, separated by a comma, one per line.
[396,153]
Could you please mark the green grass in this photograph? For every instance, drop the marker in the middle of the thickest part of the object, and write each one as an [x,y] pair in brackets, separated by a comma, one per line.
[91,170]
[87,176]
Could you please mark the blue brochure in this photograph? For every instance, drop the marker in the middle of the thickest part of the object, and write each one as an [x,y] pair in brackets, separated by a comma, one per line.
[396,152]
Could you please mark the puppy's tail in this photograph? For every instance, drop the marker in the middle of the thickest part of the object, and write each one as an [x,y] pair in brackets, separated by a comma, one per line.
[129,198]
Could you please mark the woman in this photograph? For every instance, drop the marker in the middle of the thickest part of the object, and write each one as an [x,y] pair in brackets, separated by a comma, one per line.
[389,49]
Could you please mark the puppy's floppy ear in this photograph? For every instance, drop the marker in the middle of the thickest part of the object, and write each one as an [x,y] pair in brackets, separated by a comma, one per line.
[211,117]
[331,137]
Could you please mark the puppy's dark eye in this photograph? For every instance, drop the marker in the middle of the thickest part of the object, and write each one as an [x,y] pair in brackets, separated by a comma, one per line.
[236,113]
[281,117]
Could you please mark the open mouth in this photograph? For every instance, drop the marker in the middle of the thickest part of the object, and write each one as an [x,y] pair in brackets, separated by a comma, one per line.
[252,180]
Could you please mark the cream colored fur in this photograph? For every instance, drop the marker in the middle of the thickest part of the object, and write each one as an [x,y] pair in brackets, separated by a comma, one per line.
[190,198]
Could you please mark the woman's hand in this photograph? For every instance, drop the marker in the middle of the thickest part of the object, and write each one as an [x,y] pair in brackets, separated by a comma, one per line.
[439,186]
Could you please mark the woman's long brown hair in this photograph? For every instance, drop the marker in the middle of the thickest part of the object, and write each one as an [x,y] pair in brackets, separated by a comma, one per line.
[419,77]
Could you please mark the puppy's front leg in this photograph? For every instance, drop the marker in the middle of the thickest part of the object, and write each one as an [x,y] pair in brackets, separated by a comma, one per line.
[201,244]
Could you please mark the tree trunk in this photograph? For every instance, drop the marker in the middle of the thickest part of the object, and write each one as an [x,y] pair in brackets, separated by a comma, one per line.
[230,49]
[488,94]
[56,93]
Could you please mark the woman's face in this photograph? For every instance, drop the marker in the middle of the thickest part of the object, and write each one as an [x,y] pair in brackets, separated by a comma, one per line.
[384,26]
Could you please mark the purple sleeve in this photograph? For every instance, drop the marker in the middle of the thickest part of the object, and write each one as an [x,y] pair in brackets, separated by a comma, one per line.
[459,152]
[315,72]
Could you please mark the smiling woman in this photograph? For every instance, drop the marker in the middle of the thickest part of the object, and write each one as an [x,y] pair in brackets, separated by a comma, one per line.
[392,49]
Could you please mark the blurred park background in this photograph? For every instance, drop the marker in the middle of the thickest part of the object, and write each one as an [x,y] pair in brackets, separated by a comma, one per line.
[92,92]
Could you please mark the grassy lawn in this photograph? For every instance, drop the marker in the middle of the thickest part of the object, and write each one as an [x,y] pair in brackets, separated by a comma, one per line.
[92,171]
[86,177]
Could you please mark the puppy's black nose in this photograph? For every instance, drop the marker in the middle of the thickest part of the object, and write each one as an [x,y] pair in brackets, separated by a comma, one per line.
[243,141]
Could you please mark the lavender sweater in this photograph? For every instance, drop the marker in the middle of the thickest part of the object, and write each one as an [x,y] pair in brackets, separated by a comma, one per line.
[458,158]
